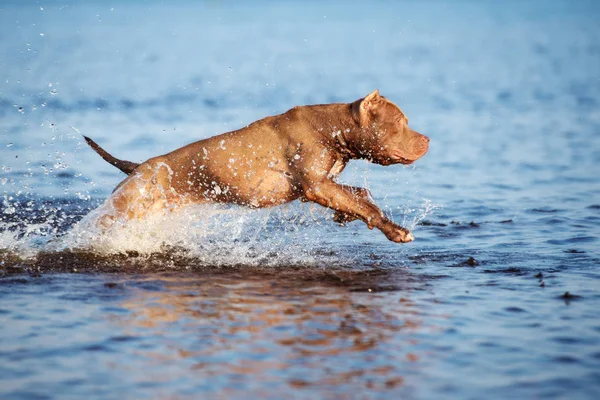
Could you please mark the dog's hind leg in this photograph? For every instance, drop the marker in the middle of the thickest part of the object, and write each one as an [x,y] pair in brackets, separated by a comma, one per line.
[147,191]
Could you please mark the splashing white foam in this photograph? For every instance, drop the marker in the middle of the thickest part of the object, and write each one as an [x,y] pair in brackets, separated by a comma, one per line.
[212,234]
[217,234]
[24,239]
[411,215]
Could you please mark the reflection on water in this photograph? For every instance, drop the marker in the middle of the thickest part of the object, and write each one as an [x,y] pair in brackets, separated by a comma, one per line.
[297,333]
[255,329]
[321,333]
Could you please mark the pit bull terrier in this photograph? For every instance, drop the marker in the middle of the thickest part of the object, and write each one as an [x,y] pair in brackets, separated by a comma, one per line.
[294,155]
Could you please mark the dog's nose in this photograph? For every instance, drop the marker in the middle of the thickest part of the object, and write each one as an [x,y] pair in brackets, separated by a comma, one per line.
[425,139]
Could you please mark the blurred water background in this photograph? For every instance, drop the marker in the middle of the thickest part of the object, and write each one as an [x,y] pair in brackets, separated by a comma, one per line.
[227,302]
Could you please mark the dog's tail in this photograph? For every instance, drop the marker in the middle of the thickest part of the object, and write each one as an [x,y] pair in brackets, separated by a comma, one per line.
[125,166]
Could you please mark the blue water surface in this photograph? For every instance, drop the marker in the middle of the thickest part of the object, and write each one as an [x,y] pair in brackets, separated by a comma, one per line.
[283,303]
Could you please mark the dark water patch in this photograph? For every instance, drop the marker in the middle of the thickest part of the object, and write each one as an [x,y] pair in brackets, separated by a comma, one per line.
[573,240]
[127,104]
[570,179]
[464,225]
[552,220]
[515,309]
[573,251]
[465,297]
[503,187]
[490,283]
[29,394]
[545,210]
[65,175]
[112,309]
[23,354]
[569,297]
[488,345]
[570,340]
[594,207]
[586,101]
[431,223]
[97,348]
[592,219]
[504,96]
[469,262]
[124,339]
[5,106]
[514,271]
[530,167]
[84,262]
[435,257]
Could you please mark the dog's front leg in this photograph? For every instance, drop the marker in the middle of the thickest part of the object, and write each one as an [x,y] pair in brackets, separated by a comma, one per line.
[354,203]
[343,218]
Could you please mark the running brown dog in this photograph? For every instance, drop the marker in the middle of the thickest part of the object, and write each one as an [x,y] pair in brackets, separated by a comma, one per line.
[295,155]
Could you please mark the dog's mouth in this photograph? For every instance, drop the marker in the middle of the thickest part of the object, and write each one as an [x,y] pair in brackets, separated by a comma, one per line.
[393,159]
[400,158]
[404,161]
[396,159]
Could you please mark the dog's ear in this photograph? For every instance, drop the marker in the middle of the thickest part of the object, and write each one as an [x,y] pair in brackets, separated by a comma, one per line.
[370,101]
[362,108]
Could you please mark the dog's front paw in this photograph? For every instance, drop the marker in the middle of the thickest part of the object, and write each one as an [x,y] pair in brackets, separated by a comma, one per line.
[399,235]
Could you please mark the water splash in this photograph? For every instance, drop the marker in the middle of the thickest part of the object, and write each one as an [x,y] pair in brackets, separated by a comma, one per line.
[296,234]
[211,233]
[412,216]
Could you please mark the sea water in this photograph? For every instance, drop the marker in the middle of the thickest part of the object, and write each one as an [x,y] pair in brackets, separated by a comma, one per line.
[228,302]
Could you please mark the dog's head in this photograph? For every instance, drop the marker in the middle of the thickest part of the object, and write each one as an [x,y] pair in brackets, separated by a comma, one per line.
[385,137]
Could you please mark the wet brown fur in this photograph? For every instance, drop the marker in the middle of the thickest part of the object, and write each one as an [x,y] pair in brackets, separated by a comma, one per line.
[294,155]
